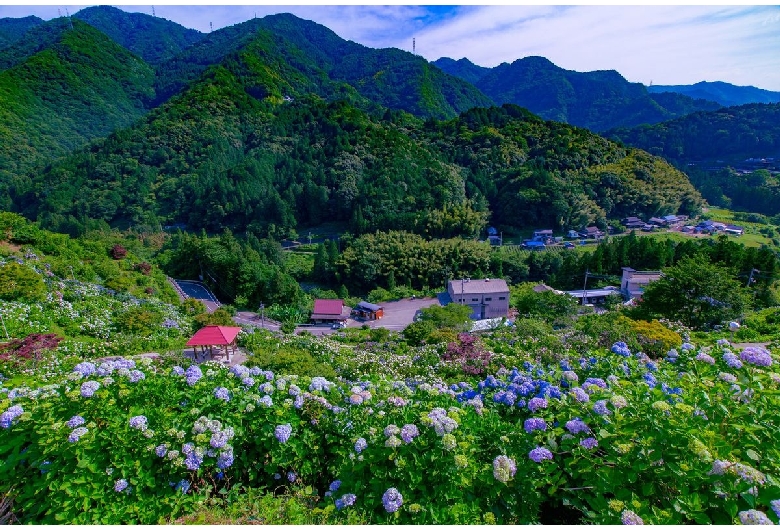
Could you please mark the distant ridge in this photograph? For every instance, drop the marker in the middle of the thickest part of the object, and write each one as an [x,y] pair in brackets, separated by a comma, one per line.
[726,94]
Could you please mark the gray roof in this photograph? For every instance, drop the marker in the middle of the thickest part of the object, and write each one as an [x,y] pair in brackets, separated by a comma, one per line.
[488,285]
[367,305]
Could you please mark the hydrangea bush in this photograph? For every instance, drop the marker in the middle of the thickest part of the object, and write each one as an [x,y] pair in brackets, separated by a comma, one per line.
[608,438]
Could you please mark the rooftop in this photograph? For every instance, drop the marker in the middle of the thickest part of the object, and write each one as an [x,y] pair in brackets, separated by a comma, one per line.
[214,335]
[328,307]
[487,285]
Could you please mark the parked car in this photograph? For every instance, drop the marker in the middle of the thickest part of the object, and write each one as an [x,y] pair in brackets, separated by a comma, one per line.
[568,244]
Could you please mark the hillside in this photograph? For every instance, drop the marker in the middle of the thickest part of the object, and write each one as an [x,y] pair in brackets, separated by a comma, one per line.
[151,38]
[725,94]
[12,29]
[389,77]
[733,133]
[595,100]
[79,87]
[230,151]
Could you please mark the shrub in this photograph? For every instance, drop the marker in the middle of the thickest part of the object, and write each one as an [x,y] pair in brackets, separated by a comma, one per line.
[118,252]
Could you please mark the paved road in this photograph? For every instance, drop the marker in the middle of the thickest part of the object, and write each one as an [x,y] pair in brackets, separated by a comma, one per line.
[398,314]
[197,290]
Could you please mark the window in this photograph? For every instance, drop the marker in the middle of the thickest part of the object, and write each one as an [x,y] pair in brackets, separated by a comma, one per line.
[488,299]
[475,299]
[502,297]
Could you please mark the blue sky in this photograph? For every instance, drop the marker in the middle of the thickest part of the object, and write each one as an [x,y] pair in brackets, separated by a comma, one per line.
[662,44]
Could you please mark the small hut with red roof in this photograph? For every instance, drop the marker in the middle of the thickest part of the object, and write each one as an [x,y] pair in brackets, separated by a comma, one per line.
[219,340]
[329,311]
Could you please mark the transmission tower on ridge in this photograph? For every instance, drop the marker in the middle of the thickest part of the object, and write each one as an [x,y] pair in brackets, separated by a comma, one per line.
[414,46]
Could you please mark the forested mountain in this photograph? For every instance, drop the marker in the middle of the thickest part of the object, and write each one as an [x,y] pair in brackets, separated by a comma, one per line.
[462,68]
[731,133]
[388,77]
[231,151]
[597,100]
[151,38]
[726,94]
[12,29]
[78,86]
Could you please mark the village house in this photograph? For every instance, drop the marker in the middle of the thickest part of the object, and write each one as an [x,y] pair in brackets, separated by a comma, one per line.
[329,311]
[487,298]
[591,232]
[734,230]
[593,296]
[368,311]
[633,282]
[544,236]
[633,223]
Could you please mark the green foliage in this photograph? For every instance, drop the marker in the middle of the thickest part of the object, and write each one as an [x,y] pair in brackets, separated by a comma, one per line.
[546,305]
[697,293]
[451,316]
[219,317]
[18,282]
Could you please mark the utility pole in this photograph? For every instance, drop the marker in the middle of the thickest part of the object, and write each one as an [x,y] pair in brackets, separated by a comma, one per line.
[585,286]
[262,315]
[750,279]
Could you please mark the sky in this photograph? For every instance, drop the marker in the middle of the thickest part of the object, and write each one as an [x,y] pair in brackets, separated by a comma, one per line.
[649,44]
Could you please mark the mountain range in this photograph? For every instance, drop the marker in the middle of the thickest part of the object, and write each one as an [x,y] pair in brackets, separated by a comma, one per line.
[126,119]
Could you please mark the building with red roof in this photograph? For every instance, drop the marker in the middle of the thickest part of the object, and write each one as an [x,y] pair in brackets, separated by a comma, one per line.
[329,311]
[220,340]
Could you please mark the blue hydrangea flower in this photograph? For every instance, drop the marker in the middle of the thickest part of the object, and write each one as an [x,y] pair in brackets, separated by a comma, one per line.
[193,374]
[576,426]
[75,421]
[266,401]
[161,450]
[222,393]
[600,407]
[539,454]
[775,505]
[534,424]
[701,356]
[193,461]
[589,443]
[580,395]
[360,445]
[136,375]
[409,432]
[218,440]
[621,348]
[732,360]
[85,369]
[183,486]
[687,346]
[348,499]
[77,433]
[754,517]
[120,485]
[225,459]
[177,370]
[392,500]
[10,414]
[504,468]
[335,485]
[283,432]
[291,476]
[138,422]
[89,388]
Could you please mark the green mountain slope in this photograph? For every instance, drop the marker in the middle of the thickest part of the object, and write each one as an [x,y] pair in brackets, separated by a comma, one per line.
[596,100]
[151,38]
[735,133]
[725,94]
[390,78]
[462,68]
[80,87]
[231,152]
[12,29]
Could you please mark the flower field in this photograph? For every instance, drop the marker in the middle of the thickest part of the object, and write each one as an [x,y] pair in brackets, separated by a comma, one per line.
[606,438]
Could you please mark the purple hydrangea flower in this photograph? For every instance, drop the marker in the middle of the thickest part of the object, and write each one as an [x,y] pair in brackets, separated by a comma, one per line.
[138,422]
[732,360]
[392,500]
[600,407]
[580,395]
[193,461]
[775,505]
[76,434]
[347,499]
[360,445]
[193,374]
[222,393]
[218,440]
[161,450]
[504,468]
[754,517]
[536,403]
[177,370]
[589,443]
[136,375]
[577,426]
[539,454]
[335,485]
[409,432]
[701,356]
[7,417]
[283,432]
[89,388]
[534,424]
[291,476]
[225,459]
[629,517]
[266,400]
[756,355]
[120,485]
[75,421]
[85,369]
[687,346]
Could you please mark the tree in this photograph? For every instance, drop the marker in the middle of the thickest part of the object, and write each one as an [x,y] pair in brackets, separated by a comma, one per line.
[18,282]
[697,293]
[546,304]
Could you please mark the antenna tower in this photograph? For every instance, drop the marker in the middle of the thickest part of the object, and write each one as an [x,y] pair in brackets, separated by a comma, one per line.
[211,26]
[414,46]
[70,20]
[153,13]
